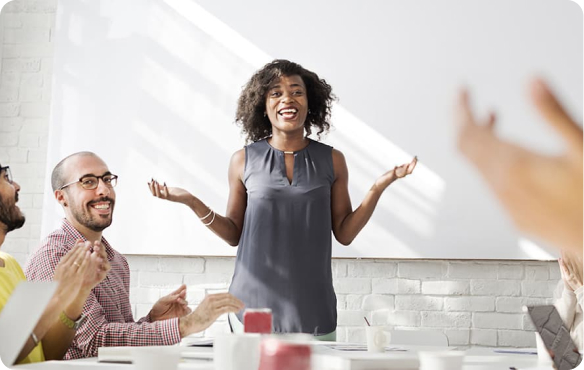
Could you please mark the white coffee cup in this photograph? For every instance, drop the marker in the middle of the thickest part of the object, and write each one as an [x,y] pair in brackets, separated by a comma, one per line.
[543,355]
[378,337]
[156,357]
[237,351]
[441,360]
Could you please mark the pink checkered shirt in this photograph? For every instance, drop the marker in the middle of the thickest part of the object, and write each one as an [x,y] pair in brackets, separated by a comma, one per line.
[109,315]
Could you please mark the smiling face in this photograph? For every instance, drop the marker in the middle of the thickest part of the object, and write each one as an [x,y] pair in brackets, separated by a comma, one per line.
[10,215]
[87,209]
[287,105]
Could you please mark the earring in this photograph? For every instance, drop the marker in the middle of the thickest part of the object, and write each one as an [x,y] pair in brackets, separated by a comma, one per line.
[309,111]
[265,114]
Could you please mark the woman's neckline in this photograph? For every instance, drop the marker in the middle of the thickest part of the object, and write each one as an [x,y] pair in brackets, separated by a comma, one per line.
[286,151]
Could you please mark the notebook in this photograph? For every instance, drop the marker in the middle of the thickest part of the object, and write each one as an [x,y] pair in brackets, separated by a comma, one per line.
[20,315]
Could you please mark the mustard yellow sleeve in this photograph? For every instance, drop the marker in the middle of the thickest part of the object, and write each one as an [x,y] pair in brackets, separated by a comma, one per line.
[10,276]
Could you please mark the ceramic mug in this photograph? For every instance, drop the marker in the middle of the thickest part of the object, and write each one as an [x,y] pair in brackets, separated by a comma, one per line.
[237,351]
[378,337]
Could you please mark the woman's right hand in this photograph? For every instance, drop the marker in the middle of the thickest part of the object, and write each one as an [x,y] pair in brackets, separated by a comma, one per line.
[162,191]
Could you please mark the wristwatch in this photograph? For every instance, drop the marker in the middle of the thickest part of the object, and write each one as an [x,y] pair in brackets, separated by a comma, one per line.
[70,323]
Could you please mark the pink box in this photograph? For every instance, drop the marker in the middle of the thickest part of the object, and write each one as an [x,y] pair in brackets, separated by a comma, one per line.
[281,355]
[257,321]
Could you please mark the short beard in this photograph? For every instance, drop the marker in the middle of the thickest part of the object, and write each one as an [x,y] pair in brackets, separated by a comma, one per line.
[11,217]
[86,220]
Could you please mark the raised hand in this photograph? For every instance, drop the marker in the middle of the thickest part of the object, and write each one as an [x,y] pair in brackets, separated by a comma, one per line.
[213,306]
[571,268]
[171,306]
[172,194]
[397,172]
[543,194]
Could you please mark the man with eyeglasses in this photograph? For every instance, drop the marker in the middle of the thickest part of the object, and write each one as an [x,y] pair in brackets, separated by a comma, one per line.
[84,186]
[77,273]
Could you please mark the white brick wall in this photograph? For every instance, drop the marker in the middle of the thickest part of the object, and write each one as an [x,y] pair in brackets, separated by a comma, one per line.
[473,303]
[25,83]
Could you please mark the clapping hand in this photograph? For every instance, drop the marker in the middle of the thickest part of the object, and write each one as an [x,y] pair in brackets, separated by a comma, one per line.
[81,270]
[70,272]
[100,265]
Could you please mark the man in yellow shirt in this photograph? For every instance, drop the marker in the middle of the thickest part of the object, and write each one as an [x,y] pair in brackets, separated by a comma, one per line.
[77,273]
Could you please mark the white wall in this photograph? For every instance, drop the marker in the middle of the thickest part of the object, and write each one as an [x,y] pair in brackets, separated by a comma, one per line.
[474,303]
[178,65]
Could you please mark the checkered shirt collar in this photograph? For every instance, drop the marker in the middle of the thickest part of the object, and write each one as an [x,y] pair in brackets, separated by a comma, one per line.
[71,231]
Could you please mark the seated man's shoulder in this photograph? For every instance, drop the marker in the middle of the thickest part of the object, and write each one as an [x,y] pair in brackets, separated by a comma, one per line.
[9,261]
[43,261]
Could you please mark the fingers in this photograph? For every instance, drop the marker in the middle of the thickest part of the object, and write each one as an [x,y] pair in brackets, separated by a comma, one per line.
[225,300]
[98,247]
[84,262]
[151,187]
[66,259]
[183,311]
[77,256]
[563,268]
[176,297]
[181,289]
[106,267]
[490,121]
[463,114]
[155,188]
[412,165]
[104,264]
[549,107]
[405,169]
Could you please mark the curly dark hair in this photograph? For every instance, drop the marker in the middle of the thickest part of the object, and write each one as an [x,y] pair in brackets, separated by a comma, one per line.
[252,101]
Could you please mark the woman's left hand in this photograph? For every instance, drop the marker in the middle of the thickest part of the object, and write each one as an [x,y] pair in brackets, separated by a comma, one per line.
[397,172]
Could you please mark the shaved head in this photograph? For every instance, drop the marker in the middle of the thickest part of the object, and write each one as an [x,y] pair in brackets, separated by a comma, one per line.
[58,177]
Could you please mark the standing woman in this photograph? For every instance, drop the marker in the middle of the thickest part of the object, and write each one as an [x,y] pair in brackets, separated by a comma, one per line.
[287,192]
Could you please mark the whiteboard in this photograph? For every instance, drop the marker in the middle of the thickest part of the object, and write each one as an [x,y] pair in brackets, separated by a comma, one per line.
[151,86]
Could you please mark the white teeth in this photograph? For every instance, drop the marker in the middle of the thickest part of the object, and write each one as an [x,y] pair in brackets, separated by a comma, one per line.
[101,206]
[283,111]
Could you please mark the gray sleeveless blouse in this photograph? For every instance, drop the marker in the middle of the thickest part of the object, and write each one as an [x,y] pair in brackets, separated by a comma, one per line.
[284,256]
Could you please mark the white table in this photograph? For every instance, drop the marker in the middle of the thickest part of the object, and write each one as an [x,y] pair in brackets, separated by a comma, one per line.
[475,359]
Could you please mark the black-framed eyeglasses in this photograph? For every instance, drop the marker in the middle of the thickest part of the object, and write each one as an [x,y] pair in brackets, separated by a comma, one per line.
[91,182]
[8,174]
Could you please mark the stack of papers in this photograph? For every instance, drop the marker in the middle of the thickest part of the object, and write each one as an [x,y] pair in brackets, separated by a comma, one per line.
[360,347]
